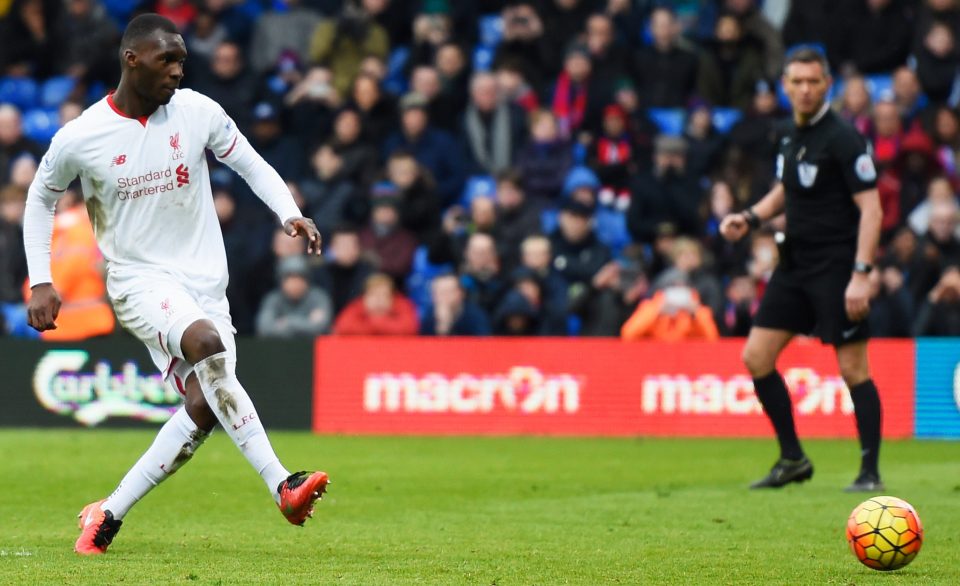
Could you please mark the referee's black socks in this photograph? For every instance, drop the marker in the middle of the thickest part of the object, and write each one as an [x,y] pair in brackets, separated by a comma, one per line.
[866,407]
[773,395]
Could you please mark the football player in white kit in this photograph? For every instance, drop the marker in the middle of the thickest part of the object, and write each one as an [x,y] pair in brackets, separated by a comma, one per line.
[140,155]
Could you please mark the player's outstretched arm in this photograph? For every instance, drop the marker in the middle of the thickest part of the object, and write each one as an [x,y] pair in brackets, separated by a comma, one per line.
[735,226]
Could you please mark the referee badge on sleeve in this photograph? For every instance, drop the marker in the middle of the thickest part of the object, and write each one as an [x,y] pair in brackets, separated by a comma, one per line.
[864,168]
[807,174]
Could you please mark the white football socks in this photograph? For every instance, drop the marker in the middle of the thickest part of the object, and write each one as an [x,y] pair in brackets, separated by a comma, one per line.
[233,407]
[173,447]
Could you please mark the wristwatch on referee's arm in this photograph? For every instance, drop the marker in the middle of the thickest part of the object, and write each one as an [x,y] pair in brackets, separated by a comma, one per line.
[862,267]
[751,217]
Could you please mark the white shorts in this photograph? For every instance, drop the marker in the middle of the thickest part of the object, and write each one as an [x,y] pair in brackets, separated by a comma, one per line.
[159,310]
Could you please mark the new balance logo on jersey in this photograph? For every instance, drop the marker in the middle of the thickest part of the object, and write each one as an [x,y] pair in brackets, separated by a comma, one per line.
[183,175]
[118,160]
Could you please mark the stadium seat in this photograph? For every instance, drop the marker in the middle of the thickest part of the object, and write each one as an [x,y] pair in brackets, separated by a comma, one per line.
[56,90]
[478,186]
[395,81]
[418,281]
[880,86]
[491,30]
[19,91]
[668,120]
[482,58]
[548,220]
[611,229]
[41,124]
[725,118]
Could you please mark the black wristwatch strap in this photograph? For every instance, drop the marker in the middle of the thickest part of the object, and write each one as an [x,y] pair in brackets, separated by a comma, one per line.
[862,267]
[752,219]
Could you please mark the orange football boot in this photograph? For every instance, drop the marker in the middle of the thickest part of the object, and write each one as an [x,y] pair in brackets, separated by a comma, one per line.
[97,529]
[298,493]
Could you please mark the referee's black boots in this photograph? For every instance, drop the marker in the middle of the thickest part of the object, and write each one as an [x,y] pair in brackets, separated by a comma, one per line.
[866,482]
[786,471]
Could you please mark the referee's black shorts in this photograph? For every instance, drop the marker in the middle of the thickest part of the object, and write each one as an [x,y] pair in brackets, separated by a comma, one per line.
[811,303]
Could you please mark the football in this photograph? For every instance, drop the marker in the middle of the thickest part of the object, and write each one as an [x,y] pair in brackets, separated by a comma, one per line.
[885,533]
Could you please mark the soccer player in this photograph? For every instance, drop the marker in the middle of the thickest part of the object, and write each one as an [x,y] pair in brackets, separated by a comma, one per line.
[140,155]
[827,187]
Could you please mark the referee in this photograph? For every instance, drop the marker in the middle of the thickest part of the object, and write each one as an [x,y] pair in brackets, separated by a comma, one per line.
[827,188]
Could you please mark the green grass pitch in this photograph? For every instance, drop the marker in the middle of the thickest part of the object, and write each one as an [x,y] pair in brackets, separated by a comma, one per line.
[480,511]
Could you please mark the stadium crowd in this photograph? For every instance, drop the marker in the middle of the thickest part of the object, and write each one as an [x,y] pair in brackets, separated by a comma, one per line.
[507,167]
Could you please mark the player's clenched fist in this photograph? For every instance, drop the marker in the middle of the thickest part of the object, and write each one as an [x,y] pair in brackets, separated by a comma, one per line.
[733,227]
[306,228]
[43,307]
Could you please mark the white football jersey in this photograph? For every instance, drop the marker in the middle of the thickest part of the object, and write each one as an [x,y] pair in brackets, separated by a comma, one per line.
[147,187]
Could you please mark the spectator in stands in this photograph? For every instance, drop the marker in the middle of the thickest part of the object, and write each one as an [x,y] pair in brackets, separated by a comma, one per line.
[576,98]
[450,314]
[454,73]
[444,104]
[419,203]
[740,304]
[13,143]
[381,311]
[705,144]
[181,12]
[672,314]
[77,266]
[344,271]
[31,47]
[295,308]
[854,104]
[667,194]
[908,96]
[384,240]
[939,191]
[284,30]
[754,138]
[757,28]
[516,218]
[666,70]
[545,160]
[816,22]
[89,40]
[359,154]
[903,184]
[204,36]
[310,105]
[22,171]
[329,192]
[887,132]
[608,59]
[69,110]
[230,83]
[728,257]
[282,151]
[514,87]
[244,290]
[639,126]
[613,158]
[891,305]
[480,274]
[686,265]
[730,66]
[946,135]
[377,111]
[434,149]
[536,258]
[493,129]
[394,16]
[938,248]
[876,35]
[563,20]
[525,44]
[432,28]
[937,62]
[341,44]
[940,313]
[931,11]
[13,262]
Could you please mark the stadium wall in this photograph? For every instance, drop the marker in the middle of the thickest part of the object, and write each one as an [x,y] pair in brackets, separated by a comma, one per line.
[491,386]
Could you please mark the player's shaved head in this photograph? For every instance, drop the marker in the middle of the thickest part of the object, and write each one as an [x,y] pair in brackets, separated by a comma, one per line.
[141,27]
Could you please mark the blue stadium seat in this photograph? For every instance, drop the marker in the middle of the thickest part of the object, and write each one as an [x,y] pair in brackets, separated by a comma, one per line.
[478,186]
[725,118]
[482,58]
[491,30]
[548,220]
[418,281]
[668,120]
[19,91]
[395,81]
[880,86]
[611,229]
[41,124]
[55,91]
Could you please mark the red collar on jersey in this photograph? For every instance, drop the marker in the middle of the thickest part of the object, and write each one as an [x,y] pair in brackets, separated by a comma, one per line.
[113,106]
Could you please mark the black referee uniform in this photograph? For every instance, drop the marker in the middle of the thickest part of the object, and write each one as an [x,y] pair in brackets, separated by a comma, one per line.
[821,165]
